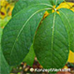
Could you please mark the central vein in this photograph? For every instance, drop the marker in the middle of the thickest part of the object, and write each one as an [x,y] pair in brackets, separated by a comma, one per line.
[52,40]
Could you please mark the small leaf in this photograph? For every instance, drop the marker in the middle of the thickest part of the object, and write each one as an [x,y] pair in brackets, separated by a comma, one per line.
[51,42]
[30,57]
[18,34]
[67,17]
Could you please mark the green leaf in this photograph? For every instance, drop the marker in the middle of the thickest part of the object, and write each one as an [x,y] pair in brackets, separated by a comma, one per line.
[18,34]
[4,21]
[25,3]
[56,2]
[0,34]
[51,42]
[30,57]
[4,67]
[67,17]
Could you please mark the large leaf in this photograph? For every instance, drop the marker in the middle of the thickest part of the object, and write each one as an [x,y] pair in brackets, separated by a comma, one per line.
[67,17]
[56,2]
[18,34]
[4,67]
[29,59]
[25,3]
[18,7]
[51,42]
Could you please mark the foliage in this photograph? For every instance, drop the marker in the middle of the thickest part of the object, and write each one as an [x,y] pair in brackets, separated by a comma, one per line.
[50,37]
[68,5]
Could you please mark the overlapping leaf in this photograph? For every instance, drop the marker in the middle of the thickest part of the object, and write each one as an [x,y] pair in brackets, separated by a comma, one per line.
[56,2]
[4,67]
[18,7]
[67,17]
[25,3]
[19,32]
[29,59]
[51,42]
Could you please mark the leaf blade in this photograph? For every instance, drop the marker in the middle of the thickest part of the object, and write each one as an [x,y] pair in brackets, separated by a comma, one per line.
[13,40]
[26,3]
[67,17]
[51,43]
[56,2]
[30,57]
[4,67]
